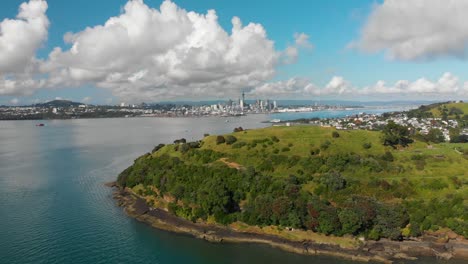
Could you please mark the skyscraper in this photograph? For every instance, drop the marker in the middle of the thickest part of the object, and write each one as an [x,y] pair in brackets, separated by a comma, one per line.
[242,101]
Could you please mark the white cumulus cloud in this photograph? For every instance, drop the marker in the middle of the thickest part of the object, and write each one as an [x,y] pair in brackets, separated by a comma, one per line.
[448,86]
[20,38]
[293,86]
[144,53]
[151,54]
[416,29]
[291,53]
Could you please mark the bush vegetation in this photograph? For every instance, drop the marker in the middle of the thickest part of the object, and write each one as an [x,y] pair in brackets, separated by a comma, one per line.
[295,177]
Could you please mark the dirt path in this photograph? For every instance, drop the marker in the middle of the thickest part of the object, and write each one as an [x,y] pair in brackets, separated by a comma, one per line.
[230,164]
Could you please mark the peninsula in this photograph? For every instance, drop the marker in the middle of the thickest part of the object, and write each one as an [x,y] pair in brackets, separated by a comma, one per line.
[360,194]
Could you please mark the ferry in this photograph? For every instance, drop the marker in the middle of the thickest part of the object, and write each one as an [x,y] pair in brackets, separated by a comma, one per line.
[40,125]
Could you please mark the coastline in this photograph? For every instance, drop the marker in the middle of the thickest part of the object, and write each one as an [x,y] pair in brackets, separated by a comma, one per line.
[383,251]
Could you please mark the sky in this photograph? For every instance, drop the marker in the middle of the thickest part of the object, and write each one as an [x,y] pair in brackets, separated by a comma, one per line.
[112,51]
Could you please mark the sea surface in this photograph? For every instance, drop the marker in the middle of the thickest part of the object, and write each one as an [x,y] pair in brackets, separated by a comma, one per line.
[54,207]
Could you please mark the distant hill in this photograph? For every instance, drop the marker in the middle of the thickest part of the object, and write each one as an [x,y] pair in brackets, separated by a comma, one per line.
[445,110]
[59,103]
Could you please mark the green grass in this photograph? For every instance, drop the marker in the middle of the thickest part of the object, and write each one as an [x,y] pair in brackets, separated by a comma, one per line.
[304,139]
[462,106]
[442,160]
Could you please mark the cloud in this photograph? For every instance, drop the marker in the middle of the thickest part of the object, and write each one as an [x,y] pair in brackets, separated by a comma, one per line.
[291,53]
[151,54]
[337,85]
[142,54]
[416,30]
[14,101]
[302,40]
[86,100]
[20,38]
[447,86]
[293,86]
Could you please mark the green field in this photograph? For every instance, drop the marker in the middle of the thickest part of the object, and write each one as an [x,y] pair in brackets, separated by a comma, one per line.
[312,178]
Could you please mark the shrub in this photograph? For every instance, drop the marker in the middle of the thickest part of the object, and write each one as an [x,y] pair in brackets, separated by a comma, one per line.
[275,139]
[394,134]
[184,148]
[367,145]
[195,144]
[315,151]
[206,135]
[238,129]
[238,145]
[285,149]
[180,141]
[220,140]
[333,181]
[325,145]
[158,147]
[335,134]
[388,156]
[230,139]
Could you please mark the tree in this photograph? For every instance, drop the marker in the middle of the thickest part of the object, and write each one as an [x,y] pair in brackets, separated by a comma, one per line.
[333,181]
[351,220]
[459,139]
[220,140]
[158,147]
[394,134]
[435,136]
[389,221]
[184,148]
[328,220]
[230,139]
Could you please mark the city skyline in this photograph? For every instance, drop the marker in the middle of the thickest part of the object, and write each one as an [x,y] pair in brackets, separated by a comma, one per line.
[181,50]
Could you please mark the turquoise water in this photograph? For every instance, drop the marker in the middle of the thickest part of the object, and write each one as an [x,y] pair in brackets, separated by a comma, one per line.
[55,209]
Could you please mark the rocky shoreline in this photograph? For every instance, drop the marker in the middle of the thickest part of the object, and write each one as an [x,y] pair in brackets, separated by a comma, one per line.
[442,246]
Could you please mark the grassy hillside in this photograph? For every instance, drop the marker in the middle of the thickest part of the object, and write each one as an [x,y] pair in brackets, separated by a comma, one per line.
[312,178]
[447,110]
[438,111]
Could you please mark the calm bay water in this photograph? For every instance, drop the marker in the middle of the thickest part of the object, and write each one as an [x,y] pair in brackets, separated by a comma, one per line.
[54,207]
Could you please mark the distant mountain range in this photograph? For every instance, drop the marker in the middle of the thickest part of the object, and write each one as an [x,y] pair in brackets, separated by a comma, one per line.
[59,103]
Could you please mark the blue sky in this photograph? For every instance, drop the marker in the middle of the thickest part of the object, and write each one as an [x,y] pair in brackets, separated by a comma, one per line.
[330,25]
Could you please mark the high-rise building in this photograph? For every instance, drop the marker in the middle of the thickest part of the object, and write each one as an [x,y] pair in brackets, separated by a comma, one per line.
[242,101]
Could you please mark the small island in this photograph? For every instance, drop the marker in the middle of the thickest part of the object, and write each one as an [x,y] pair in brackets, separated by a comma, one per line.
[359,194]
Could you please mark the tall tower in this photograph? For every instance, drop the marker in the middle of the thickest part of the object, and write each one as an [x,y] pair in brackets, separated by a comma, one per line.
[242,101]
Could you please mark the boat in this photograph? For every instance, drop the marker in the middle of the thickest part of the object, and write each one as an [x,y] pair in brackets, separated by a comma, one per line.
[40,125]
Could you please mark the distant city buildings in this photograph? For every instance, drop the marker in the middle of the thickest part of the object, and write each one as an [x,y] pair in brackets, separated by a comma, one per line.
[375,122]
[62,109]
